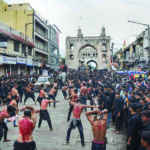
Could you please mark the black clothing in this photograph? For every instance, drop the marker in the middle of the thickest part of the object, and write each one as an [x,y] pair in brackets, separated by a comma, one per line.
[118,106]
[80,128]
[53,98]
[112,98]
[29,94]
[134,129]
[64,93]
[70,111]
[24,146]
[107,104]
[39,99]
[3,130]
[146,107]
[44,115]
[96,146]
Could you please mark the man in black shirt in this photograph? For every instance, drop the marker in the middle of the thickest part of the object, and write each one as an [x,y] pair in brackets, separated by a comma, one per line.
[107,105]
[118,106]
[146,124]
[112,98]
[134,127]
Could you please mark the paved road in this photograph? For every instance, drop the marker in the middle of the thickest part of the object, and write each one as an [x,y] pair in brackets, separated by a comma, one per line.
[55,140]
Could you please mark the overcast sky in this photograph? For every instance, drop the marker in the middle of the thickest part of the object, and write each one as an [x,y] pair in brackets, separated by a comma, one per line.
[91,15]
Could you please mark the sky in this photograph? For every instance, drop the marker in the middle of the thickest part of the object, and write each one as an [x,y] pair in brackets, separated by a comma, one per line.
[92,15]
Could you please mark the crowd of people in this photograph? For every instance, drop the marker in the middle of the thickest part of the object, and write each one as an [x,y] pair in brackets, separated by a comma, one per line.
[121,101]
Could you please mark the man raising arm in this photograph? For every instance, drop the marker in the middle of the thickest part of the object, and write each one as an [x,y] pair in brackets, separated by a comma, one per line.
[99,125]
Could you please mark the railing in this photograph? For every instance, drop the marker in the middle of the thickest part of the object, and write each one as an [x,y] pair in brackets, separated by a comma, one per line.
[13,31]
[41,33]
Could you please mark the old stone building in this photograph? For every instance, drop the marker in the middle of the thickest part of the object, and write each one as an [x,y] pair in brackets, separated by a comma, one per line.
[88,49]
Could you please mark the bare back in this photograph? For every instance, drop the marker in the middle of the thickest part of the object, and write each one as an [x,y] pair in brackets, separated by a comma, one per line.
[99,130]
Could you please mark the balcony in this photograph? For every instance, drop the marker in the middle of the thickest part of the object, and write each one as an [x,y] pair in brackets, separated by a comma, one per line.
[45,35]
[11,31]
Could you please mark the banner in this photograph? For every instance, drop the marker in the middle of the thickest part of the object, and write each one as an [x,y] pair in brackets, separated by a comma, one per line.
[37,64]
[29,62]
[21,60]
[1,59]
[9,60]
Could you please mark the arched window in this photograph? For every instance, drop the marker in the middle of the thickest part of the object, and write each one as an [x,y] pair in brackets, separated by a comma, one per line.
[71,46]
[83,54]
[88,54]
[93,54]
[104,46]
[71,56]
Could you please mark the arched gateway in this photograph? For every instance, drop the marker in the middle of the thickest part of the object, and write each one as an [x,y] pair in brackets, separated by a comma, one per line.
[88,49]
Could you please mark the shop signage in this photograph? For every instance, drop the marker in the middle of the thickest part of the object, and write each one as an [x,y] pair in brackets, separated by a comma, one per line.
[21,60]
[1,59]
[37,64]
[9,60]
[29,62]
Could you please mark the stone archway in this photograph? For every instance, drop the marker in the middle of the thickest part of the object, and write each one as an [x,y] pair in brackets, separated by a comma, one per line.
[88,53]
[83,49]
[92,63]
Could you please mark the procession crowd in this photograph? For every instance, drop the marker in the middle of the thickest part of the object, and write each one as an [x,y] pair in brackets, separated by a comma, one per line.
[121,101]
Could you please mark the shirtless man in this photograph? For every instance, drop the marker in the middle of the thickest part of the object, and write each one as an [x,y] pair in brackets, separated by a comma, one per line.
[42,94]
[52,95]
[5,113]
[13,119]
[26,124]
[99,126]
[83,95]
[44,115]
[78,107]
[64,89]
[29,93]
[73,98]
[14,93]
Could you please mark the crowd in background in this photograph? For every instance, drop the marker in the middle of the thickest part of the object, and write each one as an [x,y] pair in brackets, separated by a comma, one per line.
[126,98]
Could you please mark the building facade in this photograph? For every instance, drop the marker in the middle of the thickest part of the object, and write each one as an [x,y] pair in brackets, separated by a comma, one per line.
[54,47]
[88,49]
[136,56]
[25,19]
[12,48]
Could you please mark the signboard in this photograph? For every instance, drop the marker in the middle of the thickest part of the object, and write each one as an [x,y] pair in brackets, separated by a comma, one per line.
[3,44]
[29,62]
[21,60]
[1,59]
[37,64]
[9,60]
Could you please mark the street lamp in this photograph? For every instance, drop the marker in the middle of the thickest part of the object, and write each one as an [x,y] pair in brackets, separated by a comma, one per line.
[147,25]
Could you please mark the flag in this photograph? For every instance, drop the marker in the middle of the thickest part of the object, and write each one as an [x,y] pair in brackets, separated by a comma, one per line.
[131,51]
[124,45]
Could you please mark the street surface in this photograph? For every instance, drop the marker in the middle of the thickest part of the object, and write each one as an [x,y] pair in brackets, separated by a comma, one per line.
[56,140]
